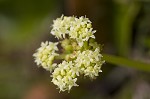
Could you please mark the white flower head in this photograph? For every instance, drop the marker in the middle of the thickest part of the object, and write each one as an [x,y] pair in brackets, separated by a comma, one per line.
[79,29]
[79,53]
[64,76]
[89,62]
[46,54]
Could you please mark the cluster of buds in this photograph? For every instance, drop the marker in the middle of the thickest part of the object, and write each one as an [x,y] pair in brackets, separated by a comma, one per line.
[78,54]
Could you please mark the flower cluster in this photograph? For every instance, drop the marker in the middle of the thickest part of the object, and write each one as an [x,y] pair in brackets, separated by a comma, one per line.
[46,54]
[79,53]
[79,29]
[89,62]
[64,76]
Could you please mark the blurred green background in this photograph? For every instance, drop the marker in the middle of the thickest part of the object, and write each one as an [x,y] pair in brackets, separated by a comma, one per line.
[123,27]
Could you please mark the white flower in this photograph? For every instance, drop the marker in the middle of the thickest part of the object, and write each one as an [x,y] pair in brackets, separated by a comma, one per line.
[46,54]
[61,26]
[79,53]
[64,76]
[79,29]
[89,62]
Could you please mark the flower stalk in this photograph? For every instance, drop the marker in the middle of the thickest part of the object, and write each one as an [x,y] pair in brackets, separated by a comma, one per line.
[126,62]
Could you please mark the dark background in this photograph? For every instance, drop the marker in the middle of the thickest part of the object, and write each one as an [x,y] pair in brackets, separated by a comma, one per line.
[123,27]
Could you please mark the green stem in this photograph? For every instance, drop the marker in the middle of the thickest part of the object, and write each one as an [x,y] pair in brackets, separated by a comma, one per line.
[127,62]
[61,56]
